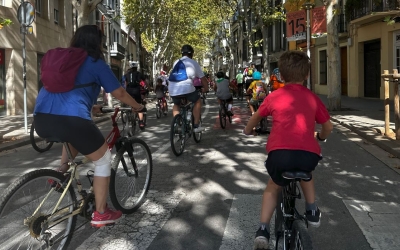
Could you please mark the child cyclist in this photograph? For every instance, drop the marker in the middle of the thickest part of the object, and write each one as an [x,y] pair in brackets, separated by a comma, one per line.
[222,91]
[257,91]
[292,144]
[161,91]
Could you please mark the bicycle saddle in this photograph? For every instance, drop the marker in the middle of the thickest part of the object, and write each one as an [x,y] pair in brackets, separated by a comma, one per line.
[306,176]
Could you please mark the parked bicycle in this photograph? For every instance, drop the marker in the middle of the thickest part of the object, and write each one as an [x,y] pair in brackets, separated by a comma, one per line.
[182,127]
[290,226]
[39,210]
[161,107]
[39,144]
[223,113]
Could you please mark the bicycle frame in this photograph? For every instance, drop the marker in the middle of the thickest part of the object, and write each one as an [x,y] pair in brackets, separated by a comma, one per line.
[112,140]
[184,107]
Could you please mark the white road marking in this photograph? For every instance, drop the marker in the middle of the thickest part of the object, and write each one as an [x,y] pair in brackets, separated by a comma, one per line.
[136,231]
[378,221]
[243,223]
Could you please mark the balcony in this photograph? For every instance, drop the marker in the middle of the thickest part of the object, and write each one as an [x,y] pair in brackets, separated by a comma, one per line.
[371,9]
[117,51]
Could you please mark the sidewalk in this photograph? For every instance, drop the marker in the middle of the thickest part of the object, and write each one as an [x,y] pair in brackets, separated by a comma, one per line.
[361,115]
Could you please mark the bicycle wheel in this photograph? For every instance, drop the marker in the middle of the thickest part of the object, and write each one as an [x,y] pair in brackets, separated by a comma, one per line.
[132,123]
[300,239]
[177,136]
[39,144]
[196,136]
[222,116]
[131,176]
[158,111]
[21,227]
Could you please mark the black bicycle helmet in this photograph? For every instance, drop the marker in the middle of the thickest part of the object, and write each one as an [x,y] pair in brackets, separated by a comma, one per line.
[187,49]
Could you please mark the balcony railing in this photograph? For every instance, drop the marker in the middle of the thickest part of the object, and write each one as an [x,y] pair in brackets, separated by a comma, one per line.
[370,6]
[117,50]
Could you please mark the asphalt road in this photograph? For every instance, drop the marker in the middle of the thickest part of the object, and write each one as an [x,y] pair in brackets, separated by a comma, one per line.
[209,197]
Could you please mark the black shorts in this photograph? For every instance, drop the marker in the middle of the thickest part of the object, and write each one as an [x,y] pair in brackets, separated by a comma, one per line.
[248,82]
[135,93]
[279,161]
[191,97]
[81,133]
[198,87]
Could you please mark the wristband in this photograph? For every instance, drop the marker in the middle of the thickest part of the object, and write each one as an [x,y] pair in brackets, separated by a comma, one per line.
[319,138]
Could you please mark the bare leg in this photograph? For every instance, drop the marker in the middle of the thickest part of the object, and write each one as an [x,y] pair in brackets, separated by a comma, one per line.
[269,201]
[308,191]
[175,110]
[197,112]
[100,184]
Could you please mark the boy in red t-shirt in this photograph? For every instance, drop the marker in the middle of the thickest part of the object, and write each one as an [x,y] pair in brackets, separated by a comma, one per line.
[292,144]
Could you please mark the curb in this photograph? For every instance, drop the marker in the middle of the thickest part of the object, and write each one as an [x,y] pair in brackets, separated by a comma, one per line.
[25,140]
[383,144]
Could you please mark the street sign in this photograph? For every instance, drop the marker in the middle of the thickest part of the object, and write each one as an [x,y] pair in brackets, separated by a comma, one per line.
[295,23]
[298,36]
[26,13]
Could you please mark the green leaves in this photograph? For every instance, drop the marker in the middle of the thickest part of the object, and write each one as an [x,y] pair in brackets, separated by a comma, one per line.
[4,22]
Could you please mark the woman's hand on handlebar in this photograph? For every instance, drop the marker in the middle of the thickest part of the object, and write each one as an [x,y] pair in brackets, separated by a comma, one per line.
[140,109]
[96,109]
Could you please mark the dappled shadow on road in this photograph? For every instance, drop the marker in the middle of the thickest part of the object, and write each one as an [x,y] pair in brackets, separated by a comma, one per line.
[204,179]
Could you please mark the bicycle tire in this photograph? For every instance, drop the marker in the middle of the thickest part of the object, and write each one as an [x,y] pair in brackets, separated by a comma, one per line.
[39,144]
[132,124]
[300,238]
[222,117]
[177,135]
[18,204]
[158,111]
[196,135]
[121,184]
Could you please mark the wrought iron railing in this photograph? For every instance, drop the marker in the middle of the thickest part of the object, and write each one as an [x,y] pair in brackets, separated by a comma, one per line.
[368,7]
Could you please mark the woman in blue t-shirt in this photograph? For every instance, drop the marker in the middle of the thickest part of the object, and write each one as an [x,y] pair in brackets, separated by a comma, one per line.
[67,116]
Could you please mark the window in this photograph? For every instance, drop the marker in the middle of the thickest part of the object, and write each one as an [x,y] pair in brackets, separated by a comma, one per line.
[56,12]
[398,58]
[38,6]
[323,68]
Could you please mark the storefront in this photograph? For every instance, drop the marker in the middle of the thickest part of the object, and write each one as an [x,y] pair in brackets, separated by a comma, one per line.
[2,83]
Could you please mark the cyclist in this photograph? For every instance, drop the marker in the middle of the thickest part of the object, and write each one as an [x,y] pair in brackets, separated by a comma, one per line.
[160,94]
[257,90]
[222,89]
[185,88]
[292,144]
[239,80]
[66,116]
[134,82]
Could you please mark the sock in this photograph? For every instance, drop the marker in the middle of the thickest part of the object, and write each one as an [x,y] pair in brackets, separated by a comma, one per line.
[229,106]
[311,206]
[264,226]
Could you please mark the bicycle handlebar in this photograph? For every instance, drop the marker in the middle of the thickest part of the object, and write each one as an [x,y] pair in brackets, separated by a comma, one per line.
[109,109]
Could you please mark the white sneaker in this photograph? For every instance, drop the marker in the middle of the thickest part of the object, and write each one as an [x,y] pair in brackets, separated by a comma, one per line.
[199,129]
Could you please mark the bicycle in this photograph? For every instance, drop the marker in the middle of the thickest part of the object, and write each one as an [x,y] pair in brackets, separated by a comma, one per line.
[223,113]
[39,210]
[132,118]
[263,129]
[161,108]
[182,127]
[290,226]
[39,144]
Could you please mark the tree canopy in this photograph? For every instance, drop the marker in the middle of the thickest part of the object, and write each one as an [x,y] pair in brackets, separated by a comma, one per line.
[4,22]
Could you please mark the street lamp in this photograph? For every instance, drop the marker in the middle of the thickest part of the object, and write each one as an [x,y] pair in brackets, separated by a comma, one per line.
[308,6]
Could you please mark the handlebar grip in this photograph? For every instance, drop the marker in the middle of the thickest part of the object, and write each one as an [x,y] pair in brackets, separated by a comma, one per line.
[107,109]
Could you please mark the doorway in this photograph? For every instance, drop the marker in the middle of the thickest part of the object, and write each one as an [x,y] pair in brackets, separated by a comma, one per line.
[372,68]
[343,69]
[3,100]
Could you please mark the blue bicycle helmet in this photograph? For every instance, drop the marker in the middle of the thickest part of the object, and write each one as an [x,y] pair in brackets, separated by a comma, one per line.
[257,75]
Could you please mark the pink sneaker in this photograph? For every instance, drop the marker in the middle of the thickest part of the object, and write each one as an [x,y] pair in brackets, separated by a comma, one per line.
[109,217]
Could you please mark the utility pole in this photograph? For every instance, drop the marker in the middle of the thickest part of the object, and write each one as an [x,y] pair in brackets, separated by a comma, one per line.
[308,6]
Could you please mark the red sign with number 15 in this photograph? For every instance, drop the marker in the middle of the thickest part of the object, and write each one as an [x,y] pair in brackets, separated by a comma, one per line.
[295,22]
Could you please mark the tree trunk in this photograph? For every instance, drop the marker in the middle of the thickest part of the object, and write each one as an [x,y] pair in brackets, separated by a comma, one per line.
[264,31]
[333,53]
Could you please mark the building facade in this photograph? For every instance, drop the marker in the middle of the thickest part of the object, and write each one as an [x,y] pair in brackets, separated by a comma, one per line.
[53,26]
